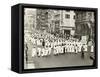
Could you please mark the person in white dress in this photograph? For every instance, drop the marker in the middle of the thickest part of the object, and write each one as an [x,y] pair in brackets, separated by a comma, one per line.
[72,46]
[39,51]
[76,48]
[85,47]
[55,50]
[49,50]
[59,49]
[43,52]
[34,52]
[66,47]
[80,46]
[38,42]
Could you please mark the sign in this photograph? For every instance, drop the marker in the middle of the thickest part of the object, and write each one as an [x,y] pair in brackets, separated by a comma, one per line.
[84,39]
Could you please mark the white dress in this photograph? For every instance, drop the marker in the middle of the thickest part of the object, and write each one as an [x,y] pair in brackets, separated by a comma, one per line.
[68,48]
[49,51]
[85,47]
[43,52]
[92,48]
[34,52]
[38,42]
[39,51]
[79,47]
[55,50]
[62,49]
[59,49]
[72,48]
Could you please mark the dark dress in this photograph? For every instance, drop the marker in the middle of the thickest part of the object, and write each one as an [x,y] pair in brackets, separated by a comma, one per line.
[43,43]
[82,52]
[26,53]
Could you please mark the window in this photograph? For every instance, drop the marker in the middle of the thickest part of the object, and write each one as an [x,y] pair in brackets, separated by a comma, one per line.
[67,16]
[67,10]
[89,14]
[74,17]
[57,15]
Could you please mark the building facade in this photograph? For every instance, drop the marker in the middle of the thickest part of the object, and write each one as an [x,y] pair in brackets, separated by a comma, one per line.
[29,19]
[84,24]
[67,26]
[56,21]
[42,19]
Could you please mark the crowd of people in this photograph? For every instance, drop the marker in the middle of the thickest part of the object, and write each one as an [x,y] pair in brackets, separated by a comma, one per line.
[45,44]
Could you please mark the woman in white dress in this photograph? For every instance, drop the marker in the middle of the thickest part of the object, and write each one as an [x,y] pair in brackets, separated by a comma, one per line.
[72,46]
[34,52]
[85,47]
[80,46]
[55,50]
[39,51]
[43,52]
[49,50]
[66,48]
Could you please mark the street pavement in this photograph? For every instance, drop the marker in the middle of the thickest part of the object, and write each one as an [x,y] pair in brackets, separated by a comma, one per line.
[63,60]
